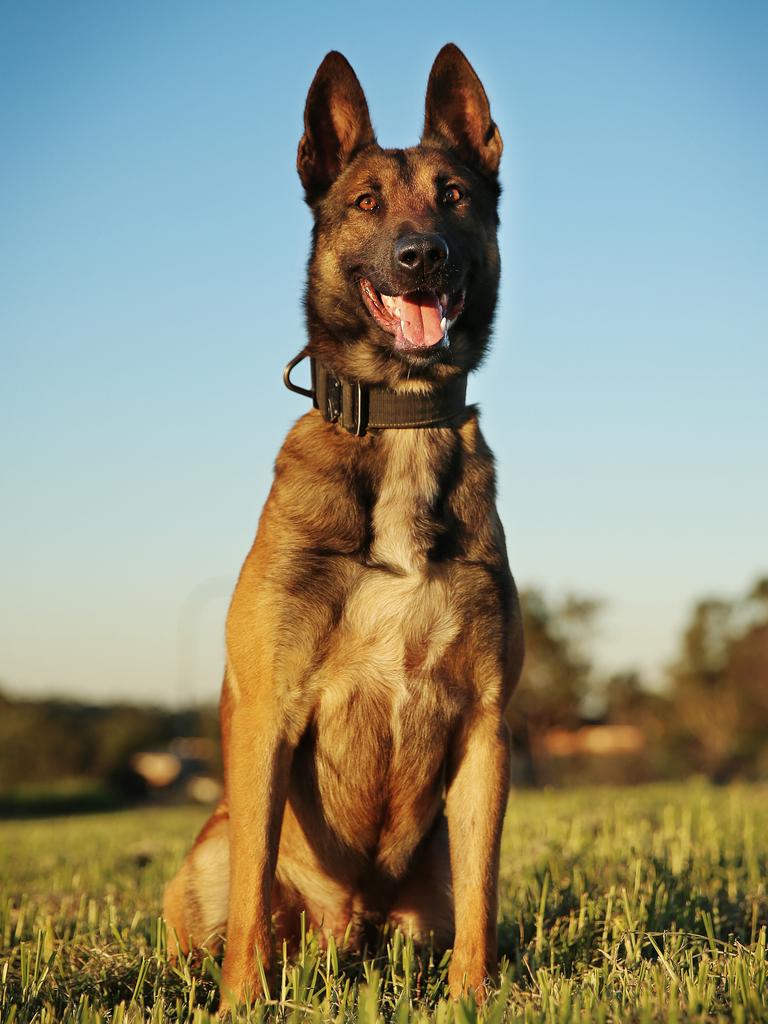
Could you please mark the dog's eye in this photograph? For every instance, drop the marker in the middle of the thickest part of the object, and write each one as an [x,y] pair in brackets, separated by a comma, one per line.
[367,202]
[452,194]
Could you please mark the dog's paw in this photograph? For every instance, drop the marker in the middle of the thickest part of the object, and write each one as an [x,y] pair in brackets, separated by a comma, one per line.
[467,977]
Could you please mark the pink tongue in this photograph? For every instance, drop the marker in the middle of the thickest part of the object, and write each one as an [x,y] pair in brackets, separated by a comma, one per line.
[420,314]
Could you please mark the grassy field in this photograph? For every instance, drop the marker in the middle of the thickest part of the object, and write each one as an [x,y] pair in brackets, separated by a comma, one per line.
[617,905]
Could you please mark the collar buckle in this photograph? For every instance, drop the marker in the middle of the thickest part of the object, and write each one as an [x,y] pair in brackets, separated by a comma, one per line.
[334,400]
[352,407]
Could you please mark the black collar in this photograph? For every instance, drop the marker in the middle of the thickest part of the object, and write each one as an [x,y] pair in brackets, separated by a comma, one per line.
[360,407]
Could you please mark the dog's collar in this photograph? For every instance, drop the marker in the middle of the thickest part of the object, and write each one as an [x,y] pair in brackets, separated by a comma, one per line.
[360,407]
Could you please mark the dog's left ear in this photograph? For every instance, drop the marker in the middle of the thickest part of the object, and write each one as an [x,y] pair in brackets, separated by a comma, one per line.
[458,113]
[336,125]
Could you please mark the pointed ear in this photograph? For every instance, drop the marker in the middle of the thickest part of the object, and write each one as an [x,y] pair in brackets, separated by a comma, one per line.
[336,125]
[458,113]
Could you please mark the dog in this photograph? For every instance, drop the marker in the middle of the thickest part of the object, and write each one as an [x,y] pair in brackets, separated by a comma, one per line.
[374,636]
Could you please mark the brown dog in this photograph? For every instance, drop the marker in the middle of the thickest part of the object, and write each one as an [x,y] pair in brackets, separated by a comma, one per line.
[374,636]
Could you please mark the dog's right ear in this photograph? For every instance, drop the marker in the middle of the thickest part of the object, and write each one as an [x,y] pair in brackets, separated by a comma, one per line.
[336,125]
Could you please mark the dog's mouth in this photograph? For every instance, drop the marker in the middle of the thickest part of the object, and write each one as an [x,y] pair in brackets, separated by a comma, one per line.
[419,320]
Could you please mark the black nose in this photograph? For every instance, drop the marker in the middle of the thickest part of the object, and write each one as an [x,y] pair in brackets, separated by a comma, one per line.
[421,254]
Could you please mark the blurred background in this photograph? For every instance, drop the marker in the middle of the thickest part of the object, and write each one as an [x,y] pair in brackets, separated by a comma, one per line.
[153,241]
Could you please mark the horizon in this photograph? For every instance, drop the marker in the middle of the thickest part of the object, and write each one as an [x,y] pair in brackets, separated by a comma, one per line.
[151,272]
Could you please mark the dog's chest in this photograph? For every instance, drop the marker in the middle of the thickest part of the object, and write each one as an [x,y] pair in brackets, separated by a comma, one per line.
[386,701]
[382,723]
[399,613]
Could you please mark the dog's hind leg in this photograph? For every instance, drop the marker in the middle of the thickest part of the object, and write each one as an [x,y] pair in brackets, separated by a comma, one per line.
[423,906]
[195,905]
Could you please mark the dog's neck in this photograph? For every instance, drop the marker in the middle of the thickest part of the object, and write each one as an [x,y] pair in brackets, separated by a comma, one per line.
[403,525]
[360,407]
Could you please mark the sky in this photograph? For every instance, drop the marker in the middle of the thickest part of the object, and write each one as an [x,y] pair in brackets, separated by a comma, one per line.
[153,244]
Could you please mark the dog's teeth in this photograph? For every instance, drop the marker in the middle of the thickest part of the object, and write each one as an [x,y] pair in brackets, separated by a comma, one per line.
[397,312]
[443,324]
[403,326]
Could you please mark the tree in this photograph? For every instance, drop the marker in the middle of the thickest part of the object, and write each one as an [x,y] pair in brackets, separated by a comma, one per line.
[719,685]
[557,673]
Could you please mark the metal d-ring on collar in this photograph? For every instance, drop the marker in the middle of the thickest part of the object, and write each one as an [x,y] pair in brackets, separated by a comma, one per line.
[289,383]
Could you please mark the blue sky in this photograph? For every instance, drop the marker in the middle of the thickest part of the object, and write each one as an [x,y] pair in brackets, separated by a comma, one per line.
[153,242]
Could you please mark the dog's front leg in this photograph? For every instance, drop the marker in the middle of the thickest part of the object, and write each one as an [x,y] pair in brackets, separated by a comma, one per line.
[475,803]
[257,771]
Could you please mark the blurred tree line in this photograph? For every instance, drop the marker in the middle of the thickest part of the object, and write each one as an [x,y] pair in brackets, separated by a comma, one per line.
[707,714]
[719,687]
[46,744]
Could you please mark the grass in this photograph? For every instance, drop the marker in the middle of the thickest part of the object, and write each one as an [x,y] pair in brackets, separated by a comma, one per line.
[640,905]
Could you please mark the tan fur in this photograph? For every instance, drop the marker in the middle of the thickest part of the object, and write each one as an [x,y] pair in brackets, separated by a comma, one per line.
[373,640]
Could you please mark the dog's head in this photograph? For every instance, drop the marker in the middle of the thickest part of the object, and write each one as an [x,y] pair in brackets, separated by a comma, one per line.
[404,268]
